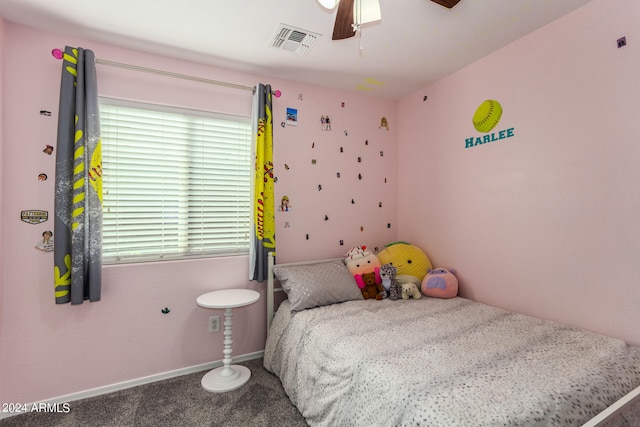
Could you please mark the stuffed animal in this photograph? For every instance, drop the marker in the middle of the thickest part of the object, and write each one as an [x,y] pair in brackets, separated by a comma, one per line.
[412,263]
[410,290]
[440,283]
[360,260]
[388,275]
[372,287]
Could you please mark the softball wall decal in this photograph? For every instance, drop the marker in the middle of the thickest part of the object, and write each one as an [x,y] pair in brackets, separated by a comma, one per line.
[487,116]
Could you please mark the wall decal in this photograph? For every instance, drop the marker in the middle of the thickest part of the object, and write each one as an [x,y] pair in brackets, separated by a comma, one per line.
[286,166]
[287,225]
[353,202]
[48,149]
[342,149]
[325,123]
[165,310]
[338,174]
[381,153]
[346,133]
[359,159]
[342,104]
[361,228]
[42,177]
[313,145]
[34,216]
[292,116]
[380,204]
[46,244]
[313,161]
[424,98]
[283,124]
[384,123]
[487,115]
[307,237]
[300,96]
[284,204]
[45,113]
[366,142]
[485,119]
[319,187]
[326,218]
[359,176]
[341,242]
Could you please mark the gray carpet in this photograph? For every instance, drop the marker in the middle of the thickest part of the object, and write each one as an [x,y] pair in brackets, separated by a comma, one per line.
[179,401]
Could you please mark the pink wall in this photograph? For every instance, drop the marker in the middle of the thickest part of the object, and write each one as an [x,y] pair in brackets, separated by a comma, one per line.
[48,350]
[545,222]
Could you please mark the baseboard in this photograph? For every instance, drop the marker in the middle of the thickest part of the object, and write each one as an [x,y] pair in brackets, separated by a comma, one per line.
[136,382]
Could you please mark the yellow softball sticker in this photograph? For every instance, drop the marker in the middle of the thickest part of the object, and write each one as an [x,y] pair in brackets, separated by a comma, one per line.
[487,116]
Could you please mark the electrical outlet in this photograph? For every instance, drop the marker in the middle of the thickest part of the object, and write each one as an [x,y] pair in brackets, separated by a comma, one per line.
[214,324]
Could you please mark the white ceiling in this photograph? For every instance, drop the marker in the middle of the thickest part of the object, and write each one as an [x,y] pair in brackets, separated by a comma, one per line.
[416,43]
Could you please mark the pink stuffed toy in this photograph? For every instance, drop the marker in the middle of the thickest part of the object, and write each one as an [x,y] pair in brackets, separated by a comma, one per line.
[359,261]
[440,283]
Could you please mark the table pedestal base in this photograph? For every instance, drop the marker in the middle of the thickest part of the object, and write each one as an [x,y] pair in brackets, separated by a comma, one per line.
[226,378]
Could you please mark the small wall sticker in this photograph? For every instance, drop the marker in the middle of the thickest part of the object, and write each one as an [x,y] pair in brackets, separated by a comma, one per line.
[42,177]
[292,116]
[48,149]
[325,123]
[46,244]
[285,206]
[384,123]
[34,216]
[45,113]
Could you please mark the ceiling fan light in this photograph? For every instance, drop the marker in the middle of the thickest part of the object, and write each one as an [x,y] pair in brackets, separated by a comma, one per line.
[328,4]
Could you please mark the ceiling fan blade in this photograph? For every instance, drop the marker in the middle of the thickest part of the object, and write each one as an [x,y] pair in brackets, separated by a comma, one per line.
[446,3]
[343,27]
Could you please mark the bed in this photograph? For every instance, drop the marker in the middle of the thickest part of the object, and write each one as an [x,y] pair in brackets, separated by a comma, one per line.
[345,361]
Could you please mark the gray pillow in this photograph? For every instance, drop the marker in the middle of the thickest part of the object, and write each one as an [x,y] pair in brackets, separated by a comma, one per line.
[315,285]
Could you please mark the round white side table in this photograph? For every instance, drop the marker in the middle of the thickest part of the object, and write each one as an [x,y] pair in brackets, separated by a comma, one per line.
[227,377]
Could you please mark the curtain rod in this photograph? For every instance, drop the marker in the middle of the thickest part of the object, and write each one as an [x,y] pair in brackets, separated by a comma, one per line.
[58,54]
[170,74]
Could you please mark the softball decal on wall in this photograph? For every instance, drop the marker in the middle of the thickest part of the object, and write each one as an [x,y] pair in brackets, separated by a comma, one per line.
[486,117]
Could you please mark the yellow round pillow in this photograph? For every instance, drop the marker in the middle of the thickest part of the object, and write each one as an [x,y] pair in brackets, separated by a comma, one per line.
[410,260]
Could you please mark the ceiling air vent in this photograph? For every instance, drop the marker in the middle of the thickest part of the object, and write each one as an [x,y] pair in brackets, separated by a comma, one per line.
[294,39]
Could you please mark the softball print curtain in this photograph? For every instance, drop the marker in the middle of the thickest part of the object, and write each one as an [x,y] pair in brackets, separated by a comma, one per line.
[263,239]
[78,197]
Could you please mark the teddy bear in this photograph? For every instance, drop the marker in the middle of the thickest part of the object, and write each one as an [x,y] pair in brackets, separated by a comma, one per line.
[388,276]
[360,260]
[372,287]
[410,290]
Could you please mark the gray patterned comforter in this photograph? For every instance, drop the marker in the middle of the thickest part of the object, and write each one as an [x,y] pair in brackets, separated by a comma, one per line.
[439,362]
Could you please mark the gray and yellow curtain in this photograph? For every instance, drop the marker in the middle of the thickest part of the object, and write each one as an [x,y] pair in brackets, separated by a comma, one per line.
[263,239]
[78,197]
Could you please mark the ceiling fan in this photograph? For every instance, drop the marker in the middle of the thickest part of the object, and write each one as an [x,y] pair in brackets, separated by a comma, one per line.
[353,13]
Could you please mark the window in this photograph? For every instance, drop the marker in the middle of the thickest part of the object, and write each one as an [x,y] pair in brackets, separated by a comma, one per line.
[176,182]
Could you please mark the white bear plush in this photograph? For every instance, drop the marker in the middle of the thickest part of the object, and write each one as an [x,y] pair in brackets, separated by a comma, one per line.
[410,290]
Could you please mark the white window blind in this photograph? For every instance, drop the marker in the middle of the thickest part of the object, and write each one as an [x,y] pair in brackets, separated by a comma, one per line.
[176,183]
